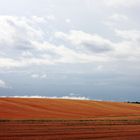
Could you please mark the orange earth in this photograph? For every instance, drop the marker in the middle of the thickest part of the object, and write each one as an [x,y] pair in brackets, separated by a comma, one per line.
[61,119]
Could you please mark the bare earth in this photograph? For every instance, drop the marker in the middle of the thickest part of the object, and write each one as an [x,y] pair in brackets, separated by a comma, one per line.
[59,119]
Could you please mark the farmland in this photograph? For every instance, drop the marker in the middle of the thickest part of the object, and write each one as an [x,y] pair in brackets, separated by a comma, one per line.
[52,119]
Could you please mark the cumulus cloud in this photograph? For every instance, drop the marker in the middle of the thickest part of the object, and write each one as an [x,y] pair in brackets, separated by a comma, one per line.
[18,32]
[67,20]
[103,49]
[129,45]
[117,20]
[118,17]
[133,35]
[53,97]
[40,76]
[34,75]
[51,17]
[75,41]
[23,43]
[90,42]
[9,63]
[124,3]
[75,97]
[43,76]
[3,84]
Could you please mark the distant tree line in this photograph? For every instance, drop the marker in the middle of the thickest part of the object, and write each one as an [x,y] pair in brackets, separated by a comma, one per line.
[133,102]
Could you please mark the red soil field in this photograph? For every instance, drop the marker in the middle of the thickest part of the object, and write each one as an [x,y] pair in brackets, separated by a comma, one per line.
[61,119]
[70,130]
[29,108]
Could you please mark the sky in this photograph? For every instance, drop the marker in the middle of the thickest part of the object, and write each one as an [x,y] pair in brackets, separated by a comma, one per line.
[70,48]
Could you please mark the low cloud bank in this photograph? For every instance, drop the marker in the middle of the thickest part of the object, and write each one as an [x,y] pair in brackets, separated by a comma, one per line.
[53,97]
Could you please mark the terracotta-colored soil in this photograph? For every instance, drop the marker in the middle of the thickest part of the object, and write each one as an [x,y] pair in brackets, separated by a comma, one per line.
[29,108]
[59,119]
[70,130]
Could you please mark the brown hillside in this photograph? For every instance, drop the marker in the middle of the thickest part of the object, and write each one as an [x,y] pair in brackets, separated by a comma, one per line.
[31,108]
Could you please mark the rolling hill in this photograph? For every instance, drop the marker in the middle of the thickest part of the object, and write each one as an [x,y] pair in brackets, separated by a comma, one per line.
[43,108]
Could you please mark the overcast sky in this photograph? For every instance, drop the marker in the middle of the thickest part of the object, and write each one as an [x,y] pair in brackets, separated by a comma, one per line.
[88,48]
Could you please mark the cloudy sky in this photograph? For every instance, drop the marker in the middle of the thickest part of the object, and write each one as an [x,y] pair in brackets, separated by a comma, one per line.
[88,48]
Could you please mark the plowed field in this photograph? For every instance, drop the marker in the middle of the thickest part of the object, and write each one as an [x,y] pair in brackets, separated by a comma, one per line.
[59,119]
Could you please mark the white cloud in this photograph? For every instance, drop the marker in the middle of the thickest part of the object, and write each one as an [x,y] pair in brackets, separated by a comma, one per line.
[124,3]
[101,49]
[117,20]
[51,17]
[128,47]
[67,20]
[39,19]
[74,97]
[40,76]
[34,75]
[18,32]
[3,84]
[84,45]
[90,42]
[118,17]
[9,63]
[73,94]
[43,76]
[53,97]
[128,34]
[23,43]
